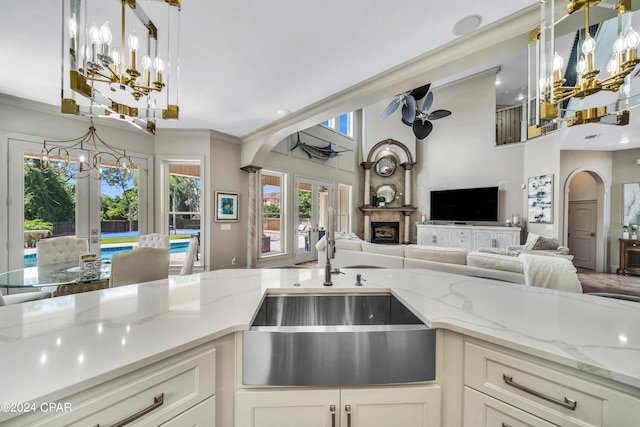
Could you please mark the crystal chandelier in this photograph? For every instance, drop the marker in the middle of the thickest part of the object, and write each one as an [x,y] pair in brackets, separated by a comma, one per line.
[84,156]
[130,74]
[553,92]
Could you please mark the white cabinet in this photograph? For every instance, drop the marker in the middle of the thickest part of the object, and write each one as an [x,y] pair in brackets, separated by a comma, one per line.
[481,410]
[407,406]
[547,392]
[467,237]
[151,396]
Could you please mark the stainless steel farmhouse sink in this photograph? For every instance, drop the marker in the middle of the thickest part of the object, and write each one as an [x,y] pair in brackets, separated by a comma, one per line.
[336,339]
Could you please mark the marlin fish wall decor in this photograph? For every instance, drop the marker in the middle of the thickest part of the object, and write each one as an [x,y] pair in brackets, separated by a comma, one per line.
[323,153]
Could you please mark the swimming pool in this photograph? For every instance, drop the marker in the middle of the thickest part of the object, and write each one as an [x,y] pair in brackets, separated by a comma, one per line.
[107,253]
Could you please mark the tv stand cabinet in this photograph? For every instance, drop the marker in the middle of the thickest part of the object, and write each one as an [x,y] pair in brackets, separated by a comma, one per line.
[469,237]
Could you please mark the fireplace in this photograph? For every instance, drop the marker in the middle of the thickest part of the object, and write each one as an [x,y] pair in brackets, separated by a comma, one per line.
[385,232]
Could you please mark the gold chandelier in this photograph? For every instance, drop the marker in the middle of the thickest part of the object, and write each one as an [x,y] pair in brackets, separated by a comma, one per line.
[105,71]
[84,156]
[552,90]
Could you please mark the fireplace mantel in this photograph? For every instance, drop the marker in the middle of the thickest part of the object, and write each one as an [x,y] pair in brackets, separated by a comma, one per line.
[401,208]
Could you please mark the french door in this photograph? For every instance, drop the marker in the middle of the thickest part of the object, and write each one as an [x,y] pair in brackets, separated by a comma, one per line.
[43,204]
[311,199]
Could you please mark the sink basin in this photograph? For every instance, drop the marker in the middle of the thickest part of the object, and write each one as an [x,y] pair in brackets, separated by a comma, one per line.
[337,339]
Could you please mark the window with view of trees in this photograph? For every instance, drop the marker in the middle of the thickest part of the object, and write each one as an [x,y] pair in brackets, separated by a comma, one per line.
[272,214]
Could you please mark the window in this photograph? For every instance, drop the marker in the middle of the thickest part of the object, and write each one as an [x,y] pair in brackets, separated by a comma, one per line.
[344,124]
[344,207]
[331,123]
[184,208]
[272,242]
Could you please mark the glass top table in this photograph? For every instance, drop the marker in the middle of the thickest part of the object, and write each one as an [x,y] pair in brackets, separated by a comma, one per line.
[54,274]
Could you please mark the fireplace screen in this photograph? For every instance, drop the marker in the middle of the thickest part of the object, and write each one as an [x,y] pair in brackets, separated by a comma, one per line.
[385,232]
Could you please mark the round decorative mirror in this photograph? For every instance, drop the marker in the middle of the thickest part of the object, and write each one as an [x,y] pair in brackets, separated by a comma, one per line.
[388,191]
[386,166]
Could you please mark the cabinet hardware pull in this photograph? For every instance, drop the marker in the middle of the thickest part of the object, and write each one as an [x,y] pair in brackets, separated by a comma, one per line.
[332,409]
[347,409]
[157,402]
[567,403]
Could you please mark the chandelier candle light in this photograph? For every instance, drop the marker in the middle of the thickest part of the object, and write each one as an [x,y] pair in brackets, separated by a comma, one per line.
[551,83]
[84,156]
[110,82]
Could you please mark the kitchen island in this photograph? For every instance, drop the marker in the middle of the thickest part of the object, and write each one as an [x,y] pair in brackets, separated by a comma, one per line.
[51,350]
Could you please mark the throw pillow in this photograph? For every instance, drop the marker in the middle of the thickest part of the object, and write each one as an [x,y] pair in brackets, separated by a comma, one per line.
[532,238]
[546,244]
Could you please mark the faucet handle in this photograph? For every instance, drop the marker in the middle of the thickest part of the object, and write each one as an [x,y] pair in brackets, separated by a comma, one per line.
[359,279]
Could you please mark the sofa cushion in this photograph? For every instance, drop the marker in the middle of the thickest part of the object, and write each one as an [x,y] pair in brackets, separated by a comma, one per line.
[394,250]
[439,254]
[509,252]
[349,245]
[495,261]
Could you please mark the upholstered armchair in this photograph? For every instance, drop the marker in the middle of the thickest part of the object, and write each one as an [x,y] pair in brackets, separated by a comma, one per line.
[154,240]
[139,265]
[60,249]
[23,297]
[190,257]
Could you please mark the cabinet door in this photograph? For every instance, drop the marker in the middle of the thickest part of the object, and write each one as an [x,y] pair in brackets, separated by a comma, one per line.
[288,408]
[442,238]
[481,410]
[461,239]
[384,407]
[483,239]
[507,238]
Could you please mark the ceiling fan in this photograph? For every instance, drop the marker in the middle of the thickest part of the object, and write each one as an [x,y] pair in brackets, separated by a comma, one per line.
[412,115]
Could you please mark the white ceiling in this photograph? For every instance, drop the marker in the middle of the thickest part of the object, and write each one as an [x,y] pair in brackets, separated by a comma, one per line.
[241,61]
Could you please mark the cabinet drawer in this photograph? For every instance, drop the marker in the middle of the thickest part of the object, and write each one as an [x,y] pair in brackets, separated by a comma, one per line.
[182,381]
[201,415]
[555,394]
[481,410]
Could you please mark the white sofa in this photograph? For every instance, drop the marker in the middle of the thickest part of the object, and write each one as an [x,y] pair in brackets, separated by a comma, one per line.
[527,268]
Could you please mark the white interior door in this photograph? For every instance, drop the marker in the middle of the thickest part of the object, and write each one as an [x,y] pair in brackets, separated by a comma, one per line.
[582,233]
[312,198]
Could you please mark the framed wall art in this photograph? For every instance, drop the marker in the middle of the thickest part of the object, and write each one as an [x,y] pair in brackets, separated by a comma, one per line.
[631,203]
[540,199]
[226,206]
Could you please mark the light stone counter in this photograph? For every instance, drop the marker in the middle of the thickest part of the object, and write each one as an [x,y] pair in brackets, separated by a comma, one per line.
[52,348]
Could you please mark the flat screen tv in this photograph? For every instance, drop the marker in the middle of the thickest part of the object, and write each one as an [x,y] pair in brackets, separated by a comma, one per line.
[466,204]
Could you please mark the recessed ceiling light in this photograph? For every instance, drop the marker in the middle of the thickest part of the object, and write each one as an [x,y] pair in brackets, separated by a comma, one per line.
[498,82]
[283,112]
[467,24]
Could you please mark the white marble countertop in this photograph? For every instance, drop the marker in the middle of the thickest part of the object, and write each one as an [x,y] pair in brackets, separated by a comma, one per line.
[52,348]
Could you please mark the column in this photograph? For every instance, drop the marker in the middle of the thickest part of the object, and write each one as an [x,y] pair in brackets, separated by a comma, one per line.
[367,182]
[252,238]
[407,228]
[408,185]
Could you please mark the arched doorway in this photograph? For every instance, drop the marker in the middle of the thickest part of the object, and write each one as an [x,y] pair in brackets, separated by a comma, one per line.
[586,211]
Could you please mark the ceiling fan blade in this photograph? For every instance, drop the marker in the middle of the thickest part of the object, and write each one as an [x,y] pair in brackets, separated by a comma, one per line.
[422,129]
[409,109]
[408,123]
[420,92]
[427,102]
[393,106]
[438,114]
